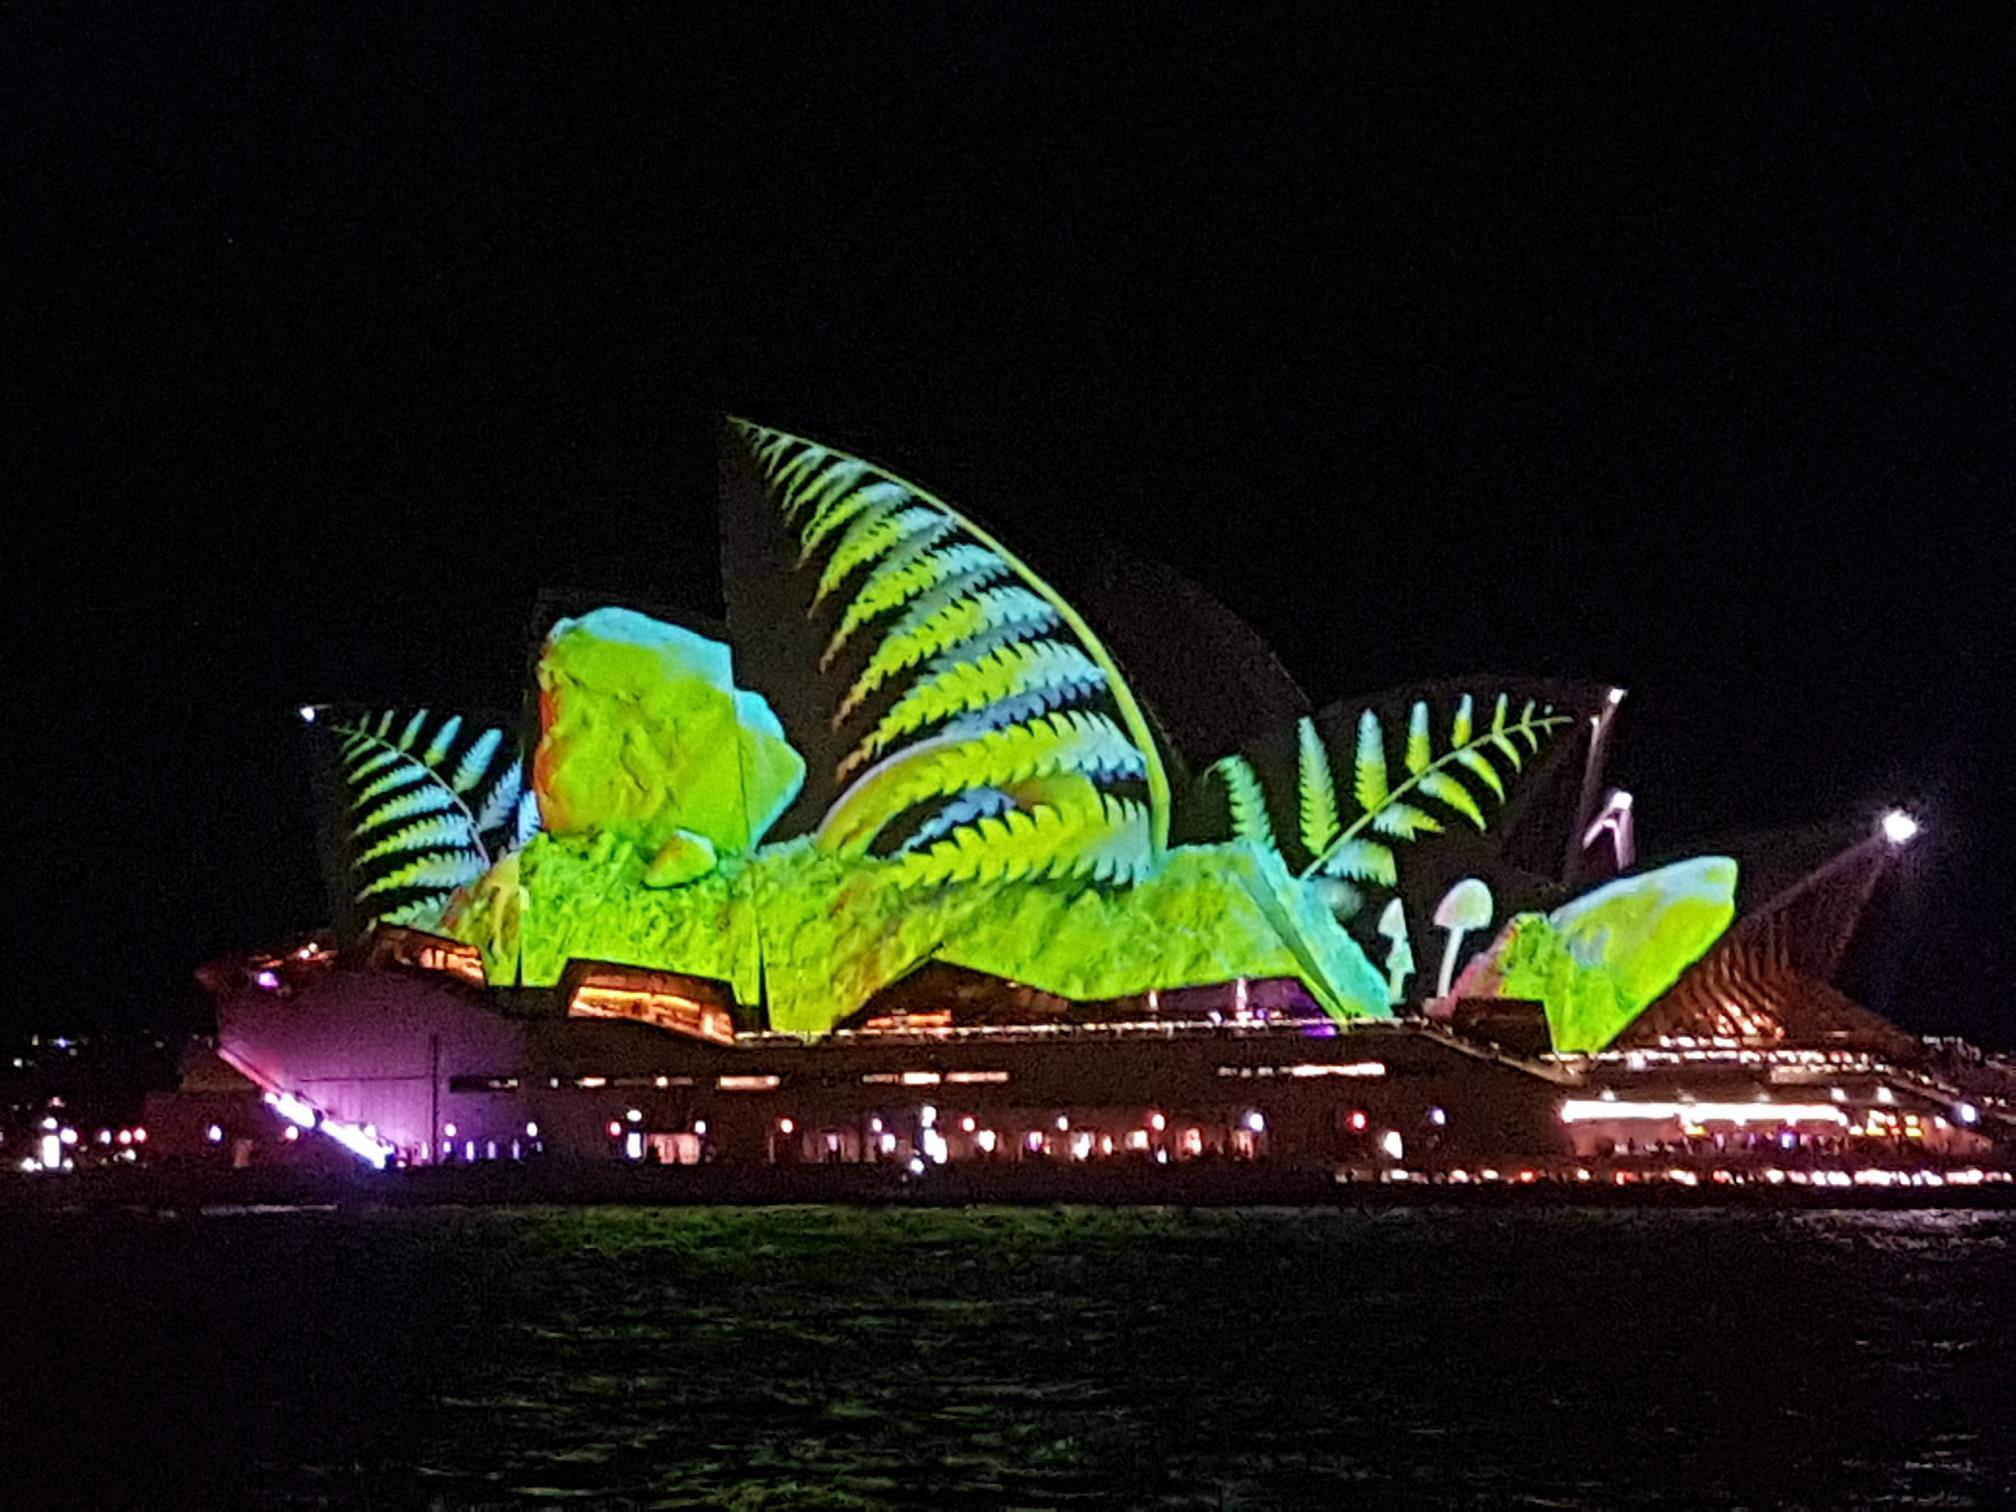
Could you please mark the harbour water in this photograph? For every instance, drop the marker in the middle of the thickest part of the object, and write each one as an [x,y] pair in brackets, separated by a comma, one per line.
[1028,1357]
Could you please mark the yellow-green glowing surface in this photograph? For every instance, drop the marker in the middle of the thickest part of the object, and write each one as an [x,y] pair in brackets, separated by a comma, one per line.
[832,931]
[655,773]
[645,738]
[993,799]
[1600,961]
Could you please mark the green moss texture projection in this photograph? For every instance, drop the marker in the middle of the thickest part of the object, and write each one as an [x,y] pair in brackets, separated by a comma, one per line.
[590,899]
[490,914]
[835,931]
[644,737]
[1600,961]
[562,898]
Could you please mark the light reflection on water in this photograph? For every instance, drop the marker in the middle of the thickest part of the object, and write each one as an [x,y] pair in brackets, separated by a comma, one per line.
[822,1357]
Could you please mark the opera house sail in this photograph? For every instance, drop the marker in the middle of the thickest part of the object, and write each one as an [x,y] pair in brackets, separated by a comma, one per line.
[909,794]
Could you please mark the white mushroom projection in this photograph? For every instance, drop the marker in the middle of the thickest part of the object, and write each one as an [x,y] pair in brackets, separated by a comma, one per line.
[1399,954]
[1465,907]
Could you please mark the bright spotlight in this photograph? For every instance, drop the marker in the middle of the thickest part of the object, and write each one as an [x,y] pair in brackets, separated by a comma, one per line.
[307,713]
[1616,697]
[1899,828]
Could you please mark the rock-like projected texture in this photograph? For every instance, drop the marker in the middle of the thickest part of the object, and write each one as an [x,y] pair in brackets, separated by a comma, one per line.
[836,931]
[831,932]
[644,736]
[1600,961]
[595,900]
[646,755]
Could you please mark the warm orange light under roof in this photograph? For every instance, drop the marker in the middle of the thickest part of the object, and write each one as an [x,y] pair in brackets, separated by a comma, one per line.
[933,1018]
[662,999]
[430,952]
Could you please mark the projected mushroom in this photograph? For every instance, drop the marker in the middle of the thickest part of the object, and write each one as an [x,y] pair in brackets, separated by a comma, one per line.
[1465,907]
[1399,954]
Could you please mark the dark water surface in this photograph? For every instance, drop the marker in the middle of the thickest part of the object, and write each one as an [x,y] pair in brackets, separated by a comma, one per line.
[816,1357]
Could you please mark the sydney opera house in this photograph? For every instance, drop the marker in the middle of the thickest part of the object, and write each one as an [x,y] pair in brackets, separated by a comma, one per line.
[915,862]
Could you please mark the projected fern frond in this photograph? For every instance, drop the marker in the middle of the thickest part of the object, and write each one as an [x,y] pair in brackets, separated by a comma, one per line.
[1394,811]
[1072,829]
[431,806]
[1315,789]
[1429,789]
[1246,799]
[991,732]
[1034,676]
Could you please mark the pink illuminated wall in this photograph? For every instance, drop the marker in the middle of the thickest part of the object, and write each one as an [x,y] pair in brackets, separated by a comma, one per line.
[381,1048]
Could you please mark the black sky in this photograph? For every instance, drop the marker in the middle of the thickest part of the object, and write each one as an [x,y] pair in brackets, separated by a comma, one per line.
[1666,347]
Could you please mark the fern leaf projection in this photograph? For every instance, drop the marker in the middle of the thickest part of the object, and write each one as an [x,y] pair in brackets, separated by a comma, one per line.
[432,805]
[1247,799]
[1392,812]
[1392,806]
[991,733]
[1315,788]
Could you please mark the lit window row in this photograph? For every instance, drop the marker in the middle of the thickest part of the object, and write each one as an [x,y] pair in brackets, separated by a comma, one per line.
[927,1138]
[1309,1068]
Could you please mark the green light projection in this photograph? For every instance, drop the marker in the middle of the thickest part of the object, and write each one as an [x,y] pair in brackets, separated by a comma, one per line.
[645,737]
[995,737]
[431,805]
[999,802]
[1388,809]
[1598,962]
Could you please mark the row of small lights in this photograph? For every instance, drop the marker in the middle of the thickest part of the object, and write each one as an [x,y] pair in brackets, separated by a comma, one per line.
[627,1129]
[450,1131]
[58,1138]
[1771,1175]
[935,1150]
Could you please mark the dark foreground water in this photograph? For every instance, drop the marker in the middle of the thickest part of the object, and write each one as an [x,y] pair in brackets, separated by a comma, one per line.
[812,1357]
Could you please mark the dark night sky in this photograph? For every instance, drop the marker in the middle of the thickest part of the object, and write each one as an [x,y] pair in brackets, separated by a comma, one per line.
[1664,348]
